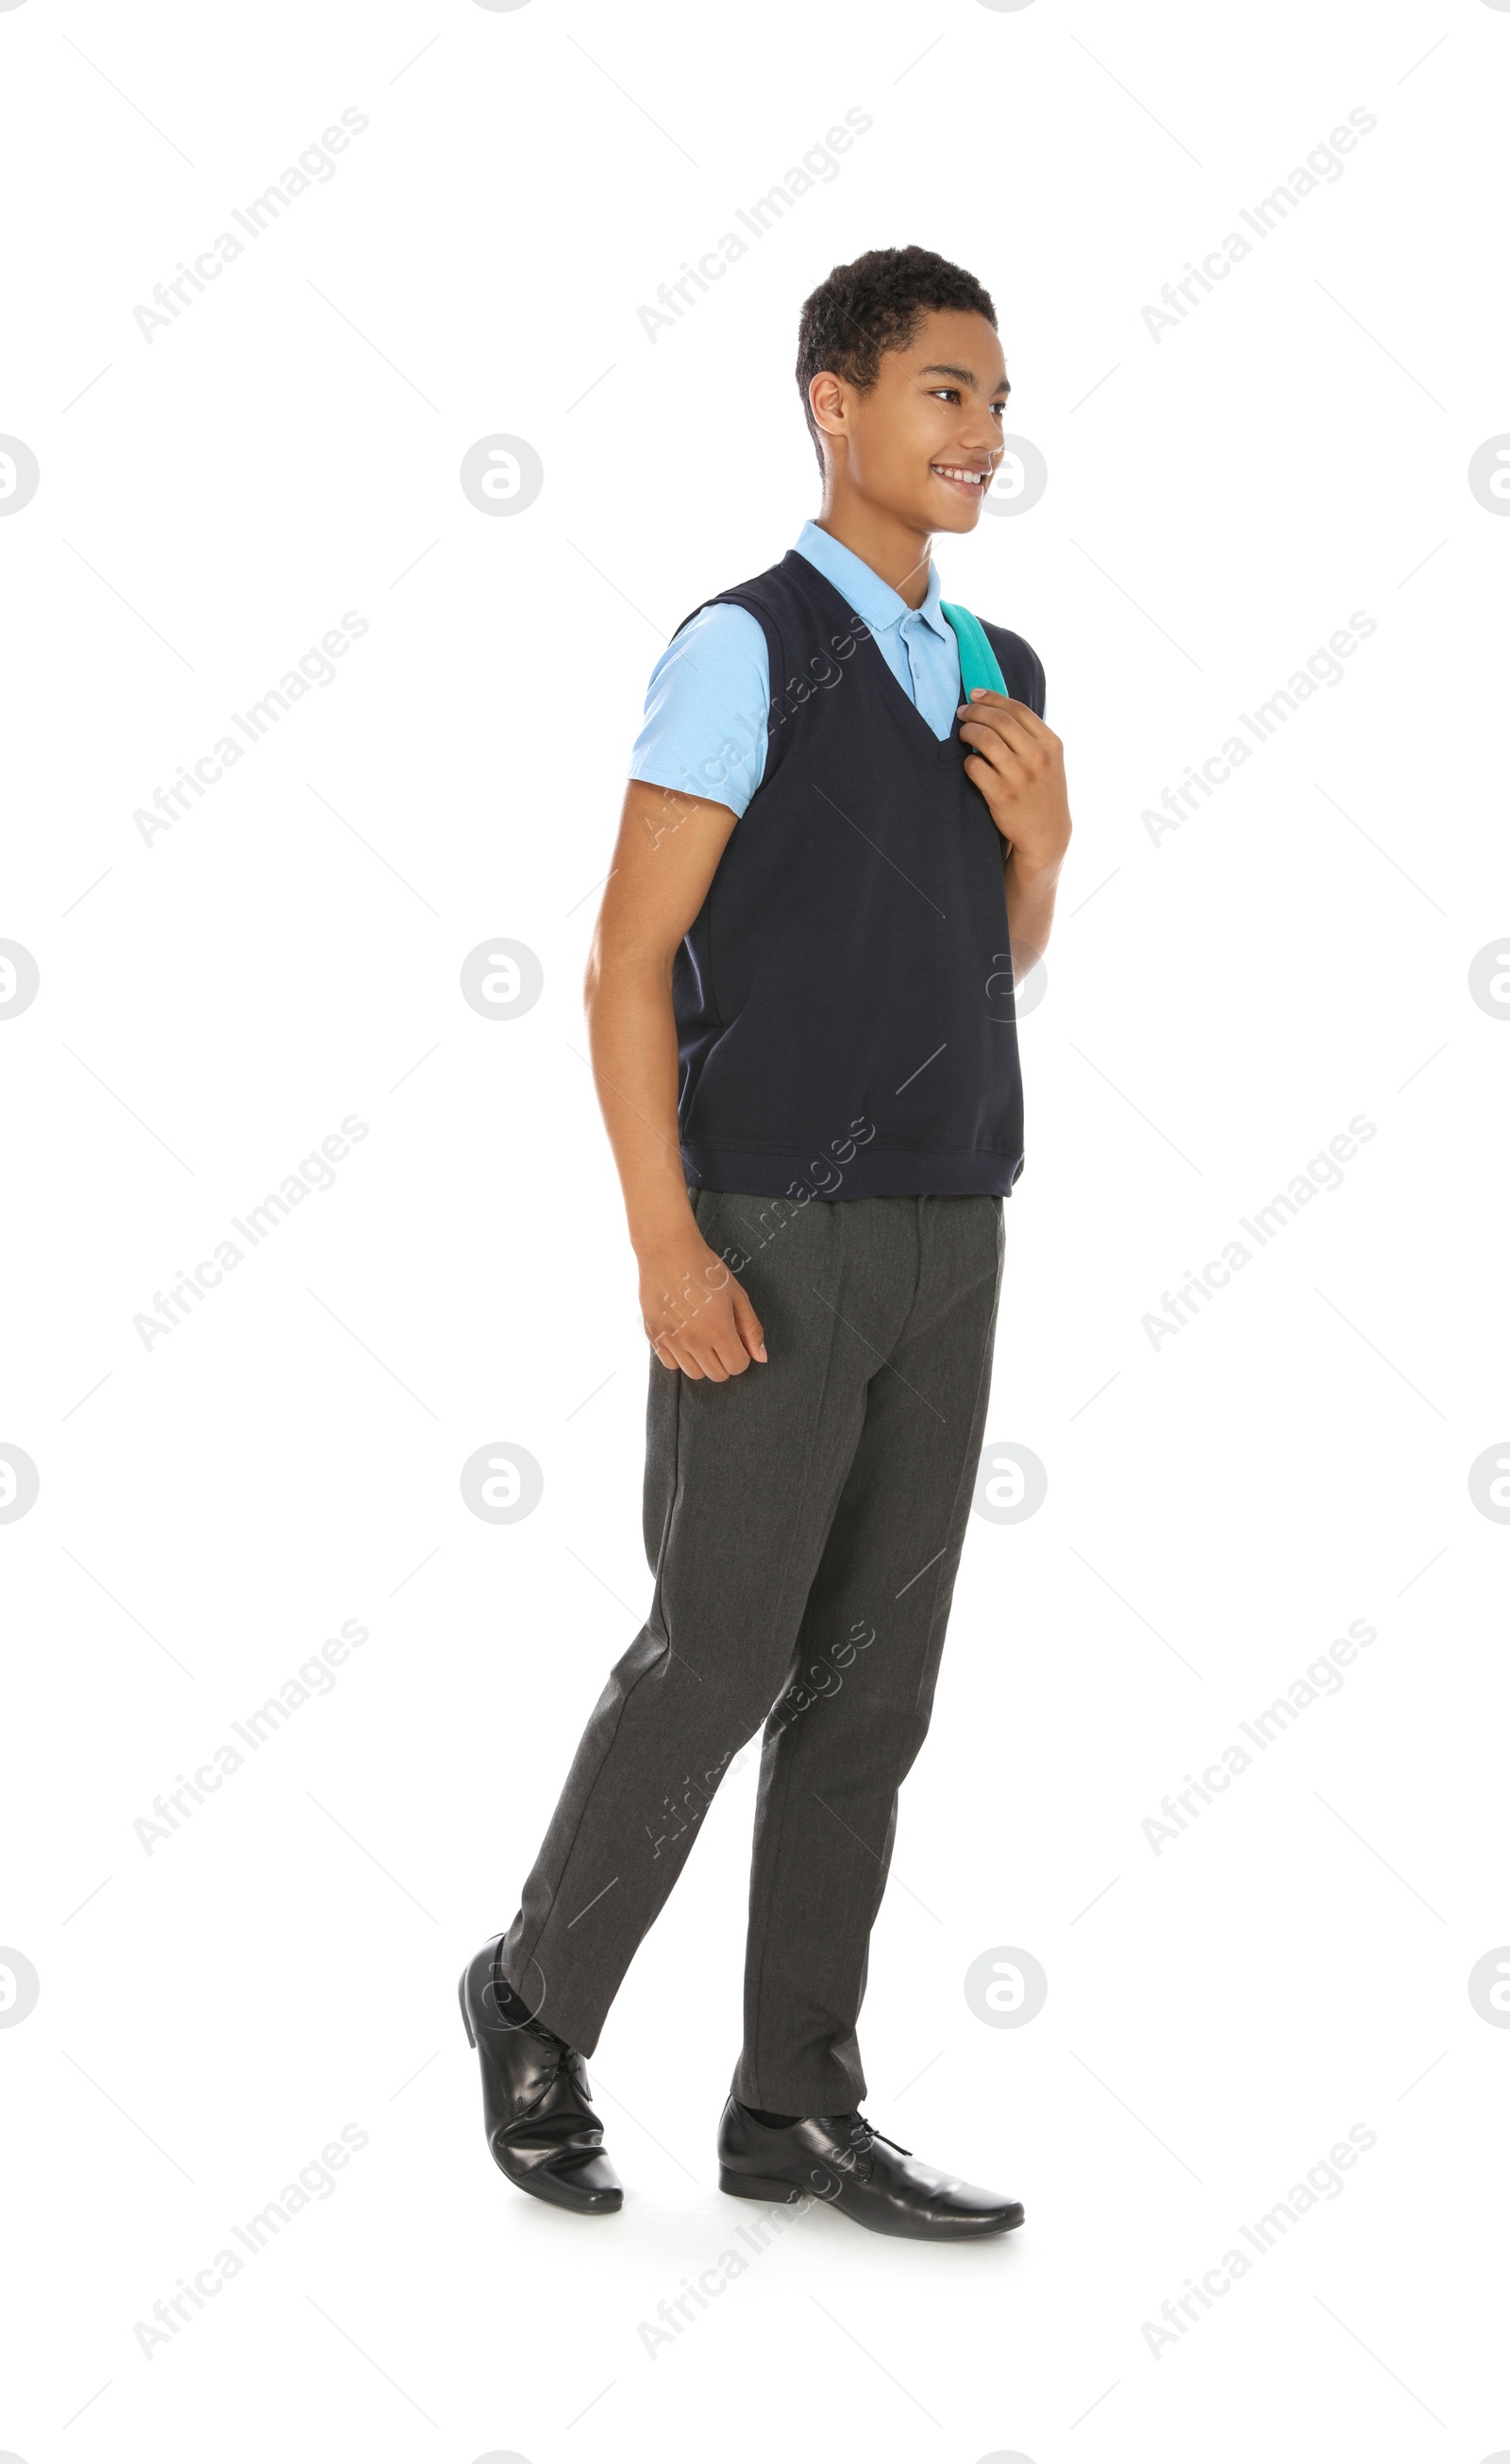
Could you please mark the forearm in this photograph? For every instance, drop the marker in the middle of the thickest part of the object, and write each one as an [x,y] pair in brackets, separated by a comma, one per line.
[632,1037]
[1031,892]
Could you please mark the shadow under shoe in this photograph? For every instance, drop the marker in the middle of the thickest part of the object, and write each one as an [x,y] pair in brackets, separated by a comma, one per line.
[541,2128]
[840,2159]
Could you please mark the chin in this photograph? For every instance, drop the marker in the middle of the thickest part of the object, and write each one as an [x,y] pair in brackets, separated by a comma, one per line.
[956,517]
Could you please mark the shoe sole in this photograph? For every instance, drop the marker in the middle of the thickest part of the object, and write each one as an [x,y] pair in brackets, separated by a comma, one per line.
[756,2186]
[753,2185]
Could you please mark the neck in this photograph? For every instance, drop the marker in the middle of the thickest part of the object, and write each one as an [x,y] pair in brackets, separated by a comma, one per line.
[890,546]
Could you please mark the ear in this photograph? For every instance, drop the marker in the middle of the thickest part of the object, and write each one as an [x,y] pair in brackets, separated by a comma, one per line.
[825,394]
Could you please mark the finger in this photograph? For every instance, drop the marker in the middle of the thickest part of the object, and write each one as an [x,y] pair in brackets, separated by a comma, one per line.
[750,1332]
[1037,752]
[987,738]
[1022,767]
[673,1325]
[987,697]
[1004,722]
[1002,758]
[982,698]
[702,1350]
[721,1353]
[664,1335]
[671,1347]
[1003,796]
[1001,799]
[730,1353]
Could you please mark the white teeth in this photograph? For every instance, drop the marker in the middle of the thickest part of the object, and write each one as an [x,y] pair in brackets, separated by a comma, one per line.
[975,478]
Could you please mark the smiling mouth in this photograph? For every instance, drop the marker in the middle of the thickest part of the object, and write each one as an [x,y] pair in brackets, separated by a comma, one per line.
[960,475]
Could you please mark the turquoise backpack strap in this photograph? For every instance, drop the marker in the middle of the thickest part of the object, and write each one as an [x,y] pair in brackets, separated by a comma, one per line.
[977,660]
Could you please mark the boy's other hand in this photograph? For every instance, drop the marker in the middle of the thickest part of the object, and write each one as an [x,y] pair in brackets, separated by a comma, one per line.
[1019,765]
[699,1319]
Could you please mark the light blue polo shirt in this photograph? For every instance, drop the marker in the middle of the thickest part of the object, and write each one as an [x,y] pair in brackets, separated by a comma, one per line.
[710,692]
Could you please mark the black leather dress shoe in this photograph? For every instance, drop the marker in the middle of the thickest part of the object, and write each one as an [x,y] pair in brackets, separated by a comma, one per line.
[840,2159]
[541,2128]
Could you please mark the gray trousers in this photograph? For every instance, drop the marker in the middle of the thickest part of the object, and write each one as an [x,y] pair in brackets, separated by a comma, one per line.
[803,1523]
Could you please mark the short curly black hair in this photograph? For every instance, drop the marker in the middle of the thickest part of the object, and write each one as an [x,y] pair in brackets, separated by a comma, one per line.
[874,306]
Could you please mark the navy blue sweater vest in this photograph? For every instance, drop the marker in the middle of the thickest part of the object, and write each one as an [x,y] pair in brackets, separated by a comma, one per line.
[843,1000]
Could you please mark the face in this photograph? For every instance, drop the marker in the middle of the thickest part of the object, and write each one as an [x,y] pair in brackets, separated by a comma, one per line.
[923,443]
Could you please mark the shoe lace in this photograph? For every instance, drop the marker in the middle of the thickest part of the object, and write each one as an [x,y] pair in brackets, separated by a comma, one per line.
[863,2125]
[561,2063]
[564,2062]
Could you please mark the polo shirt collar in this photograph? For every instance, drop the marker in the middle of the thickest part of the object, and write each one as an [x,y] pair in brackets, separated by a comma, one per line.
[874,601]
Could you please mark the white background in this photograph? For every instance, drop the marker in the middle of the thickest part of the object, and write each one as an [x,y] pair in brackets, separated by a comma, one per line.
[1221,1003]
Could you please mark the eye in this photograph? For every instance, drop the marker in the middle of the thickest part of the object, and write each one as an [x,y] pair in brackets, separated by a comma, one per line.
[945,393]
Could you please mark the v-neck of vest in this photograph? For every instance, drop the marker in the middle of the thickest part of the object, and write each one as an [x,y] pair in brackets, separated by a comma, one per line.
[941,747]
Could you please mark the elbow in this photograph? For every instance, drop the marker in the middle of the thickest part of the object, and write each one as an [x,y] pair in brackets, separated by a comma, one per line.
[615,966]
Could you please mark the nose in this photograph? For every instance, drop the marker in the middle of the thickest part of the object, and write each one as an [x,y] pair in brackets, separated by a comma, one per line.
[979,439]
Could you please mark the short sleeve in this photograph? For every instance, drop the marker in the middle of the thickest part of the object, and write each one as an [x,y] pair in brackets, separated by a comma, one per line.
[705,709]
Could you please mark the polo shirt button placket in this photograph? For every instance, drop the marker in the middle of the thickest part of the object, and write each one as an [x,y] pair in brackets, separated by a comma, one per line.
[913,624]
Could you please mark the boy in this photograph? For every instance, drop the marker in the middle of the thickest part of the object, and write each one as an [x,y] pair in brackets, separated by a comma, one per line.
[829,869]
